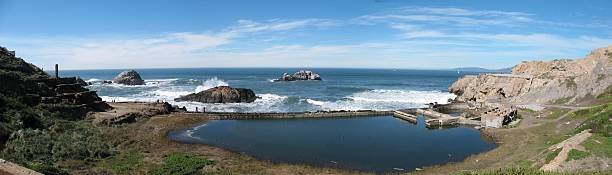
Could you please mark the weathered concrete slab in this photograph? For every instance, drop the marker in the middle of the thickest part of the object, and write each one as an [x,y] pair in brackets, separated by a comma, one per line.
[405,116]
[284,115]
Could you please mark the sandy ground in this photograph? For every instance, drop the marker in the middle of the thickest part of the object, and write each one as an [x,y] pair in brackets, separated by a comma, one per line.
[8,168]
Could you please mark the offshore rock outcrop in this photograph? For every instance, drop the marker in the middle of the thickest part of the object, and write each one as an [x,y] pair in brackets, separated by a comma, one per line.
[300,75]
[539,82]
[130,77]
[221,94]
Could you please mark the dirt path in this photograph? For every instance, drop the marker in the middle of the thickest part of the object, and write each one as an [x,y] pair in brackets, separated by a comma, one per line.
[573,109]
[565,146]
[565,106]
[9,168]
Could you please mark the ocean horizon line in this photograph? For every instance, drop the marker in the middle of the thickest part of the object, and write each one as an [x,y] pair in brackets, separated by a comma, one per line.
[305,68]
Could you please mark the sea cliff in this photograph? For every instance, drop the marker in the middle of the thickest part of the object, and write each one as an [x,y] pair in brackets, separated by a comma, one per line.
[540,82]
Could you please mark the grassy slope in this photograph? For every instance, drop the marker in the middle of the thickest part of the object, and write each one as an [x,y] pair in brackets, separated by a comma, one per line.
[38,136]
[596,118]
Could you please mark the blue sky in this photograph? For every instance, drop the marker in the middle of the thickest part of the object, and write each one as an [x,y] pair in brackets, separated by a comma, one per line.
[340,33]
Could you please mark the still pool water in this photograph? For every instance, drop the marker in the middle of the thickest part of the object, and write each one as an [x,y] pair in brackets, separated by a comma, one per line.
[376,144]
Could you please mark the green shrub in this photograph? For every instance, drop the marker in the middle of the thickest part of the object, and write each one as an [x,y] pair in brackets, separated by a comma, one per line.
[47,169]
[606,95]
[124,163]
[599,145]
[598,119]
[577,155]
[182,163]
[550,156]
[523,171]
[61,142]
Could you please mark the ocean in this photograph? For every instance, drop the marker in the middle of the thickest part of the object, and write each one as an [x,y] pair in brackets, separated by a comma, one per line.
[340,89]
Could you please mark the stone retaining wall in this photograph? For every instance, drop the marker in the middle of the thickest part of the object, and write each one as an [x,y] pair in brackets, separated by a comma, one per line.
[281,115]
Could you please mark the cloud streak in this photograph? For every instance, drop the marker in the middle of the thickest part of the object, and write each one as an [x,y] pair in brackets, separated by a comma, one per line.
[422,37]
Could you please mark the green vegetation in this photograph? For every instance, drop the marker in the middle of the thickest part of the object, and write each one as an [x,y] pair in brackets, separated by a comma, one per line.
[600,77]
[41,149]
[598,119]
[551,155]
[527,110]
[562,100]
[599,145]
[606,95]
[19,67]
[125,163]
[546,75]
[557,113]
[39,136]
[524,170]
[577,155]
[182,163]
[570,83]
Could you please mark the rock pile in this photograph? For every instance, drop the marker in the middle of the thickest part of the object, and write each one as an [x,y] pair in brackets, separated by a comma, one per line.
[221,94]
[300,75]
[130,77]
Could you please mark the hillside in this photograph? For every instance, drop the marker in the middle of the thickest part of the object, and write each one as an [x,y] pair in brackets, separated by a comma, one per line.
[41,117]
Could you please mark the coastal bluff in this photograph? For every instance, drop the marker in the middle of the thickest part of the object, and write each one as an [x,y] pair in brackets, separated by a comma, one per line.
[540,82]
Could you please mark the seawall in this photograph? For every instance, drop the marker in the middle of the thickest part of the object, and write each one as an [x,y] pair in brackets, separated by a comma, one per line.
[287,115]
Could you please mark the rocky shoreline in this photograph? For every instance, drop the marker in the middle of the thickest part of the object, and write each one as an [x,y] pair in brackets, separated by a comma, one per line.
[79,127]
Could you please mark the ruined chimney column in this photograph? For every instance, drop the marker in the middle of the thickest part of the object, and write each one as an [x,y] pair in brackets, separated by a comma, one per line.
[56,71]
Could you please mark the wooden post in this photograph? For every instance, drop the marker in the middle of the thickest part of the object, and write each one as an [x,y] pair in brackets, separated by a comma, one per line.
[56,71]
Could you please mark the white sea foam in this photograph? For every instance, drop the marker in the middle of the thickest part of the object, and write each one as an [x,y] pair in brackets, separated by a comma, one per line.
[127,99]
[92,80]
[384,100]
[403,96]
[266,103]
[170,94]
[189,132]
[148,83]
[211,83]
[315,102]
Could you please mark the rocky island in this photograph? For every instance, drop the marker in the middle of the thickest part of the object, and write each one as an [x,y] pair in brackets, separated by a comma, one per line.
[300,75]
[129,77]
[221,94]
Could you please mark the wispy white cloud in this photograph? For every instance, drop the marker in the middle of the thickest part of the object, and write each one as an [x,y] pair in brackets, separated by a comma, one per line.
[248,26]
[421,37]
[448,16]
[464,12]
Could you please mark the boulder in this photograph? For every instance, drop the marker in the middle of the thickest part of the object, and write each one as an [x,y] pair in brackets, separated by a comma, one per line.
[221,94]
[130,77]
[300,75]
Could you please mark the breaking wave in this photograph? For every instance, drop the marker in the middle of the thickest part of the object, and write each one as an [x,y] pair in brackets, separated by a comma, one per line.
[211,83]
[267,102]
[384,100]
[403,96]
